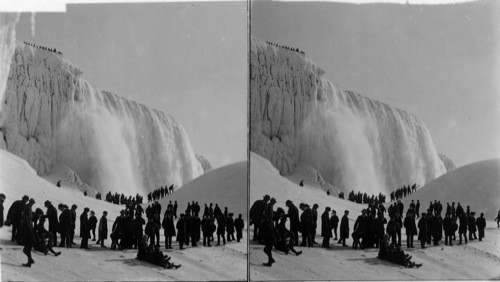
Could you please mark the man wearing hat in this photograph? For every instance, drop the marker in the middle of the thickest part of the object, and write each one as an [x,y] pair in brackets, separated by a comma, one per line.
[65,225]
[256,213]
[293,214]
[306,220]
[268,231]
[28,232]
[14,217]
[53,222]
[344,228]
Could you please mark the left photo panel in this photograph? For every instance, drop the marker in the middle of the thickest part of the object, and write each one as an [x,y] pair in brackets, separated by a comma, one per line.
[123,149]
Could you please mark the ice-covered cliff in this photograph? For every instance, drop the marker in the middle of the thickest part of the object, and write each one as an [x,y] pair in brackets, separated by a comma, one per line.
[298,116]
[52,115]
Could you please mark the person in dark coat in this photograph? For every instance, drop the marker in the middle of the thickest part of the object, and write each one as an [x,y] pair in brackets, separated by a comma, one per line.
[268,234]
[391,229]
[230,227]
[92,223]
[187,224]
[138,229]
[314,223]
[462,229]
[422,230]
[42,234]
[221,228]
[359,228]
[472,225]
[326,230]
[103,229]
[417,208]
[448,229]
[175,208]
[28,231]
[437,228]
[256,213]
[195,230]
[239,224]
[206,228]
[306,221]
[481,224]
[399,225]
[283,236]
[293,214]
[84,229]
[168,228]
[14,216]
[334,223]
[65,226]
[73,224]
[411,229]
[344,228]
[53,222]
[217,211]
[181,231]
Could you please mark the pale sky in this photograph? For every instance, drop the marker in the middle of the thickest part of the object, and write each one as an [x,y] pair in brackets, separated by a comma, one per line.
[186,59]
[439,62]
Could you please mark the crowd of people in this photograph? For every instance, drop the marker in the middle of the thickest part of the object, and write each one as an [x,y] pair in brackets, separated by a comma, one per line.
[42,47]
[403,192]
[285,47]
[129,230]
[371,229]
[363,198]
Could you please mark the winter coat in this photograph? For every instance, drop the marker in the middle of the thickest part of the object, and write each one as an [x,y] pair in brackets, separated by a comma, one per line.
[206,228]
[306,220]
[181,230]
[334,221]
[257,210]
[410,226]
[326,230]
[379,226]
[53,222]
[195,228]
[437,228]
[92,222]
[239,224]
[293,213]
[168,226]
[28,233]
[391,227]
[422,229]
[472,224]
[344,227]
[138,230]
[481,223]
[221,225]
[463,223]
[84,226]
[15,212]
[65,221]
[103,228]
[230,225]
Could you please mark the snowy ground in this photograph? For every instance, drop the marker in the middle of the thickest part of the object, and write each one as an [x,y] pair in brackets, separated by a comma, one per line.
[477,260]
[17,178]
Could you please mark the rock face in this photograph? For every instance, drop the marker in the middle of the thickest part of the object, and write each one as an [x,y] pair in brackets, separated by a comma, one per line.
[355,143]
[51,115]
[448,163]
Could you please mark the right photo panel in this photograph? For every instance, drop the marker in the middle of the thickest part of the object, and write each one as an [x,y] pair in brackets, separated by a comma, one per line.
[374,141]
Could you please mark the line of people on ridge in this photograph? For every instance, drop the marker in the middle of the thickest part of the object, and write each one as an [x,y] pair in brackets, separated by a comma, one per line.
[285,47]
[42,47]
[403,192]
[369,227]
[160,193]
[363,198]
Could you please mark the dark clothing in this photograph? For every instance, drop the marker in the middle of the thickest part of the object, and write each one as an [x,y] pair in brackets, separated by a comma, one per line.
[103,230]
[293,214]
[84,230]
[422,231]
[326,230]
[306,220]
[344,229]
[65,228]
[195,230]
[239,224]
[181,232]
[28,235]
[481,224]
[14,216]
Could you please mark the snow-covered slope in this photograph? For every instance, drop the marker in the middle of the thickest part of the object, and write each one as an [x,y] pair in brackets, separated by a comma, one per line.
[52,115]
[226,186]
[477,260]
[298,116]
[476,185]
[17,178]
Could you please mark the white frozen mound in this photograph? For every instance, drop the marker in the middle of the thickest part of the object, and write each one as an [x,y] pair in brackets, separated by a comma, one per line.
[52,115]
[226,186]
[476,185]
[311,177]
[298,116]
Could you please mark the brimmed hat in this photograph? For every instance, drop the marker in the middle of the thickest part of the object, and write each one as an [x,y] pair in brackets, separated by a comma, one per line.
[32,201]
[273,200]
[25,198]
[288,202]
[267,197]
[47,203]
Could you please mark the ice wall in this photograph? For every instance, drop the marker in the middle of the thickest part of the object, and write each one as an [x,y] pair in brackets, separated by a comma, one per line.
[8,23]
[52,115]
[356,143]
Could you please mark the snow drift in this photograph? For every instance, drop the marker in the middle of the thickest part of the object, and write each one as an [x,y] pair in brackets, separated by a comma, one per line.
[298,116]
[476,185]
[52,115]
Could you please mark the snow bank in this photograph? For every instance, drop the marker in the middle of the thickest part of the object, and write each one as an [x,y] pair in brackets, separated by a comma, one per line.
[298,116]
[226,186]
[52,115]
[476,185]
